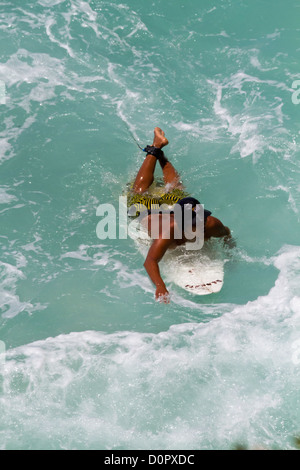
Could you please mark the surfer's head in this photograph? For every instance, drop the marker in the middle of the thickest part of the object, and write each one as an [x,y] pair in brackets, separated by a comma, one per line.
[189,206]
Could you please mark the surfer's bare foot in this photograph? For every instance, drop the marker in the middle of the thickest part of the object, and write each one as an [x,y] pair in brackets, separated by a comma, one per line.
[160,139]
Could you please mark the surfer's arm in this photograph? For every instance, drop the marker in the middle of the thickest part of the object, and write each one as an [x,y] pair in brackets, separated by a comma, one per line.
[215,228]
[220,231]
[155,254]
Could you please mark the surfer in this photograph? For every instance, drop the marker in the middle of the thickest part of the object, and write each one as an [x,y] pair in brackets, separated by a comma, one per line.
[174,194]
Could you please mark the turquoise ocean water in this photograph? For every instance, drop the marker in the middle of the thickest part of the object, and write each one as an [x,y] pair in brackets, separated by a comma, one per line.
[91,360]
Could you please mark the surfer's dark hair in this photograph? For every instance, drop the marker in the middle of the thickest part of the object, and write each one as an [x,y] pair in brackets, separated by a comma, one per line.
[190,203]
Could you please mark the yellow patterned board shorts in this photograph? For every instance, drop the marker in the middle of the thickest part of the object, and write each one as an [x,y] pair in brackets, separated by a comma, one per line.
[153,199]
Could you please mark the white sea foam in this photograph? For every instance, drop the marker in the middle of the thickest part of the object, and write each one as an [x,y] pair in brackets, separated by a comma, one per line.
[49,23]
[223,382]
[291,199]
[10,303]
[5,197]
[10,134]
[247,129]
[45,73]
[50,3]
[101,257]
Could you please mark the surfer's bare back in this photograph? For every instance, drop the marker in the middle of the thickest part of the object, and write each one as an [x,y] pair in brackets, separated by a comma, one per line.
[176,194]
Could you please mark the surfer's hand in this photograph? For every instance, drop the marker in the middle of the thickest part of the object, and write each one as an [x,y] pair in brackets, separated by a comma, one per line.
[162,294]
[229,242]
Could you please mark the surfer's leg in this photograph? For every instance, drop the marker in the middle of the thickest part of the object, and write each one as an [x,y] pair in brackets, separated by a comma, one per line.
[171,176]
[145,176]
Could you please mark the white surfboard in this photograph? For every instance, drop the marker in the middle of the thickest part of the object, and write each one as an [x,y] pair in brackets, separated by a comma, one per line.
[200,272]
